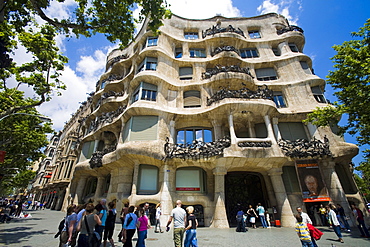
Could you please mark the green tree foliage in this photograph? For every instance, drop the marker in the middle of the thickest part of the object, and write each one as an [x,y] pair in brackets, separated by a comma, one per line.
[351,79]
[26,23]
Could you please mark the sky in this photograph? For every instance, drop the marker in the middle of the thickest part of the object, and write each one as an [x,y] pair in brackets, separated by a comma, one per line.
[325,23]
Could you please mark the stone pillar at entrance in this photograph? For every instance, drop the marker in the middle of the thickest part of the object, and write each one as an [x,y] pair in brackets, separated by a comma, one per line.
[80,190]
[166,198]
[99,188]
[220,216]
[283,205]
[335,188]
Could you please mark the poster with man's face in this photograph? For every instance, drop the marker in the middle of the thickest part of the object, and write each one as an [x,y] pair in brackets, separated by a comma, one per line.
[312,185]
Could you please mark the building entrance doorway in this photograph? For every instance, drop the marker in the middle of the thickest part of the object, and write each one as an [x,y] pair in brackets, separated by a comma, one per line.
[241,190]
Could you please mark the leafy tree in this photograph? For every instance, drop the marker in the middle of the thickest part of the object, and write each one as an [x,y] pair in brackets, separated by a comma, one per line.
[351,78]
[26,23]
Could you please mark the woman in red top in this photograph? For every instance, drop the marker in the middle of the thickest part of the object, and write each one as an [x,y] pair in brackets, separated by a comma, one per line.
[142,226]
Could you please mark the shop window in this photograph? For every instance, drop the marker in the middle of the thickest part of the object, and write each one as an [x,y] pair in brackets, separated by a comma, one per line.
[318,94]
[279,99]
[292,131]
[305,67]
[255,34]
[141,128]
[178,52]
[249,53]
[188,135]
[148,180]
[145,91]
[197,53]
[190,179]
[266,74]
[191,35]
[186,73]
[293,47]
[192,99]
[290,179]
[149,63]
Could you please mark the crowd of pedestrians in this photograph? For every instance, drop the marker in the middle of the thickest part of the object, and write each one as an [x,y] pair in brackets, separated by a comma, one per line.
[249,218]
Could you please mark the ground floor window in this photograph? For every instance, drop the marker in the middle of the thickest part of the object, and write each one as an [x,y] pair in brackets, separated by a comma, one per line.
[148,180]
[190,179]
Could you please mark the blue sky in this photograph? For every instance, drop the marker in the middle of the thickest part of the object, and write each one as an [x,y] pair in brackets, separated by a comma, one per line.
[325,23]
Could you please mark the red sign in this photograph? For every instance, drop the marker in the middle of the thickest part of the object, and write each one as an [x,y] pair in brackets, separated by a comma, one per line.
[187,189]
[2,156]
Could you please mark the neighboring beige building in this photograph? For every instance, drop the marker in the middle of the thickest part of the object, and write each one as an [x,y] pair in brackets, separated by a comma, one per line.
[236,90]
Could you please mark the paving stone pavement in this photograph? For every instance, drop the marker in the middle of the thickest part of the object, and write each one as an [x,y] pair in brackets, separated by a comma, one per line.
[39,231]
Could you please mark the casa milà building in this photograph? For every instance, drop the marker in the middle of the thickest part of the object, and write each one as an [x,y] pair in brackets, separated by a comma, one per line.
[210,112]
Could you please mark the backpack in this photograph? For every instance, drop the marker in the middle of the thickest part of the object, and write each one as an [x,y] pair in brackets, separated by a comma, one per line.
[61,225]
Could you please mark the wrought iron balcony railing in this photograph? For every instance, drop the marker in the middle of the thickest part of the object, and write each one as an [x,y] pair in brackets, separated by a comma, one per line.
[289,29]
[302,148]
[218,29]
[221,69]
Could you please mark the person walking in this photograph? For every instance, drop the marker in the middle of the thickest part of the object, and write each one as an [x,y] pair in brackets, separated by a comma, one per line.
[191,228]
[158,213]
[302,232]
[361,221]
[178,216]
[332,216]
[343,217]
[261,214]
[129,227]
[86,227]
[109,225]
[252,216]
[102,213]
[69,233]
[307,220]
[240,227]
[142,227]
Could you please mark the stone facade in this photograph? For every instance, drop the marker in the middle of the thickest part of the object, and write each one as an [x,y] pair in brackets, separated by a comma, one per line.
[209,112]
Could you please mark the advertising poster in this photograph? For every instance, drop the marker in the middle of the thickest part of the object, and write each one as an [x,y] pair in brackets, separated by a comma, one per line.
[312,185]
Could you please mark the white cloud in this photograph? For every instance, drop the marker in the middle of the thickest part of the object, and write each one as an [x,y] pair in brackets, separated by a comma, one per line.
[282,7]
[202,9]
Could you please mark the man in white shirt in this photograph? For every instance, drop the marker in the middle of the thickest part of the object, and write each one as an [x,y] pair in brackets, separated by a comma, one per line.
[305,218]
[178,215]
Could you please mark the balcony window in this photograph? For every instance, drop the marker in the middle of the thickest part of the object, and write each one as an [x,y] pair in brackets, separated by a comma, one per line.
[249,53]
[266,74]
[141,128]
[152,41]
[318,94]
[178,52]
[186,73]
[191,35]
[145,91]
[279,99]
[149,63]
[255,34]
[188,135]
[148,180]
[192,99]
[276,51]
[292,131]
[87,150]
[191,179]
[293,47]
[290,179]
[197,53]
[305,67]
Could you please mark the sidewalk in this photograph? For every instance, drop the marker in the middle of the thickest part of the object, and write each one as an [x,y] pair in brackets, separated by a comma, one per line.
[41,228]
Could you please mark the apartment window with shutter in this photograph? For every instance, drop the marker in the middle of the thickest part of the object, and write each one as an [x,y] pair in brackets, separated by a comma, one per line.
[192,99]
[318,94]
[186,73]
[149,63]
[266,74]
[305,67]
[152,41]
[279,99]
[292,131]
[290,179]
[141,128]
[148,180]
[87,150]
[293,47]
[145,91]
[197,53]
[276,51]
[191,179]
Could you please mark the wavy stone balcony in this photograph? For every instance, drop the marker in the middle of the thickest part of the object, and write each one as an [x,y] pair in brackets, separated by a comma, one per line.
[289,29]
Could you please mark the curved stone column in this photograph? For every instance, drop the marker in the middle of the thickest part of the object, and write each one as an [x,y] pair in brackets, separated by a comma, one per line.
[166,198]
[283,205]
[80,189]
[219,217]
[99,188]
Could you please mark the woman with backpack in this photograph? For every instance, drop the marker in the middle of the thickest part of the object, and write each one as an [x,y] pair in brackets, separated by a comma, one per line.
[86,226]
[109,224]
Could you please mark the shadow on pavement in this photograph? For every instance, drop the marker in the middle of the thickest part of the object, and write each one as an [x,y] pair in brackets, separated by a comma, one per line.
[17,235]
